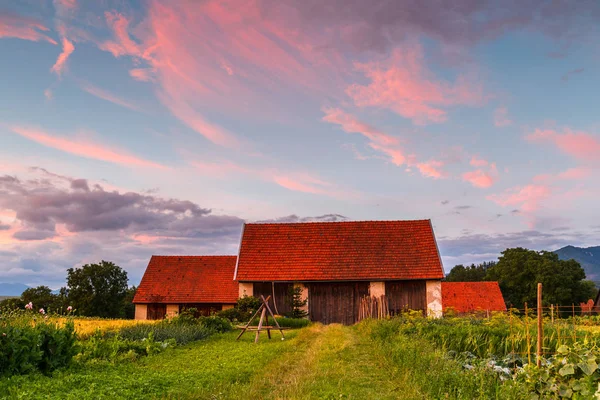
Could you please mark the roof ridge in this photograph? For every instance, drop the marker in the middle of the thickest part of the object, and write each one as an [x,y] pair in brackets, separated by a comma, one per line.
[336,222]
[196,255]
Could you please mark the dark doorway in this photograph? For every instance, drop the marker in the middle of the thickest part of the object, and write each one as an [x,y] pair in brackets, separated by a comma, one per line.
[406,295]
[280,303]
[157,311]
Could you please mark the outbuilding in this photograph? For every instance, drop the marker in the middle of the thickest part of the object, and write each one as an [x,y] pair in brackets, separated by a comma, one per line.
[472,297]
[172,283]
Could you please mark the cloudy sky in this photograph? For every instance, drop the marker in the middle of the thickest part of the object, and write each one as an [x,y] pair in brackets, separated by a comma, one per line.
[146,127]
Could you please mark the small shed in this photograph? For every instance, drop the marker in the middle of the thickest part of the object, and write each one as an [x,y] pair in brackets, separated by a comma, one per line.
[470,297]
[172,283]
[337,263]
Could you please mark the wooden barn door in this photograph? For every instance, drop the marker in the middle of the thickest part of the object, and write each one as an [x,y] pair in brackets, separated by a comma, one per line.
[406,295]
[157,311]
[335,302]
[281,304]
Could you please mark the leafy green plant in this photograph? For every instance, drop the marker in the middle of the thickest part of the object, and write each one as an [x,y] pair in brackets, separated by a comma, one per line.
[216,324]
[289,322]
[571,373]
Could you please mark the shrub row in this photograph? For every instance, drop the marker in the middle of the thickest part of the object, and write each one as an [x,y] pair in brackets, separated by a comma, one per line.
[41,347]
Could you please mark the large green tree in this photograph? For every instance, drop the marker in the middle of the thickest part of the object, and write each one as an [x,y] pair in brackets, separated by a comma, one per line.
[98,290]
[472,273]
[519,270]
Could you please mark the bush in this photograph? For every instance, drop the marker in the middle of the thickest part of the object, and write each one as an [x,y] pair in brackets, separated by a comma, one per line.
[28,345]
[234,315]
[216,324]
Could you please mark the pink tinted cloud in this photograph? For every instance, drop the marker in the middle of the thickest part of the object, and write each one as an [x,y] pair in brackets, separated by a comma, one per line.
[528,198]
[406,86]
[479,178]
[105,95]
[386,144]
[380,141]
[142,74]
[432,169]
[61,61]
[14,26]
[292,180]
[478,162]
[66,4]
[85,148]
[501,118]
[484,176]
[580,145]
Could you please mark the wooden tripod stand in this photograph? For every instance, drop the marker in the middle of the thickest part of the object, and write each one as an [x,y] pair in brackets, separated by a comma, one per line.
[264,307]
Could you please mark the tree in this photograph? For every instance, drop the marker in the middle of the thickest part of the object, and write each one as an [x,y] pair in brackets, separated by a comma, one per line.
[297,303]
[98,290]
[473,273]
[519,270]
[40,297]
[128,306]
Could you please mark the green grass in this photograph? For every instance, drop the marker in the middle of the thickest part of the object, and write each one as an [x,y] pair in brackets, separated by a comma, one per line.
[367,361]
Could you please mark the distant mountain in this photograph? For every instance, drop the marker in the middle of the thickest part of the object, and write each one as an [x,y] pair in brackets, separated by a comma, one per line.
[12,289]
[589,258]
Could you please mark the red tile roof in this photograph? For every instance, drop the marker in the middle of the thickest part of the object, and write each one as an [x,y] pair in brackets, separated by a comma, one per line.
[464,297]
[326,251]
[188,279]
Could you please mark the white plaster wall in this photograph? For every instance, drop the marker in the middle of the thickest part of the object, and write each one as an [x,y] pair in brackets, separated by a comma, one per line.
[246,289]
[434,299]
[376,289]
[141,311]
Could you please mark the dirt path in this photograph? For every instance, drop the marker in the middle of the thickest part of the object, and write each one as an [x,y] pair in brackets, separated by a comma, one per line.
[329,362]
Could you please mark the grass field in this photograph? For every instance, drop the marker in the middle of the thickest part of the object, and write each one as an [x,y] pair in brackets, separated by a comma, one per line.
[319,362]
[403,358]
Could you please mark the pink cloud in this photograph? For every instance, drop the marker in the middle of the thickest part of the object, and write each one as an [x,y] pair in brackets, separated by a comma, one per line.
[432,169]
[142,74]
[386,144]
[298,185]
[105,95]
[66,4]
[478,162]
[48,94]
[484,177]
[404,85]
[85,148]
[501,118]
[580,145]
[479,178]
[528,198]
[13,26]
[61,61]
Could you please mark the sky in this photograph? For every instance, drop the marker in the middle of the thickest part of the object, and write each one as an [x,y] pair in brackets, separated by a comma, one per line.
[132,128]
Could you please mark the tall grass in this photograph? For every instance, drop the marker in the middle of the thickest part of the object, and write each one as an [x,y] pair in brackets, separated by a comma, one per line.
[498,336]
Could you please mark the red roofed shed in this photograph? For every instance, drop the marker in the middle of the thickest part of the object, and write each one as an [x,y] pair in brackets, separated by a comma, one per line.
[337,263]
[468,297]
[171,283]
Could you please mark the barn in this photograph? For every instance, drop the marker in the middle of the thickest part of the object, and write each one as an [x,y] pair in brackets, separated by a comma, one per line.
[337,263]
[172,283]
[470,297]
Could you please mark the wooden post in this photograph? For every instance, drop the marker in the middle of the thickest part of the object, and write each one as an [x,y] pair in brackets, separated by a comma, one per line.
[540,326]
[552,313]
[528,334]
[260,324]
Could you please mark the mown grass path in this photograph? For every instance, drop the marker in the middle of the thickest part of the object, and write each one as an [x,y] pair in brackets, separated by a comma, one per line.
[319,362]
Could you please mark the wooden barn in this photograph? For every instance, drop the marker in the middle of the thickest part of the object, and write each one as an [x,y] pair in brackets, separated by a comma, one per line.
[471,297]
[172,283]
[337,263]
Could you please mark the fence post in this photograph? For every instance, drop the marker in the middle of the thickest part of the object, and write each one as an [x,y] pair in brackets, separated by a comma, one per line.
[528,334]
[540,325]
[552,313]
